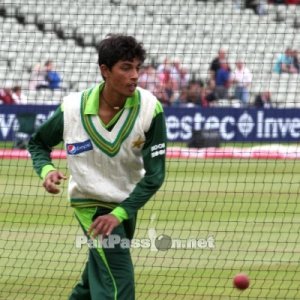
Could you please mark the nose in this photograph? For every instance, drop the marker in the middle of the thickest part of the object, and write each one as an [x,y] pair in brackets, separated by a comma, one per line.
[135,74]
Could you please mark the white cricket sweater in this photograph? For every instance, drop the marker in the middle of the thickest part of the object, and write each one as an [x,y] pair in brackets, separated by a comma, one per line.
[105,165]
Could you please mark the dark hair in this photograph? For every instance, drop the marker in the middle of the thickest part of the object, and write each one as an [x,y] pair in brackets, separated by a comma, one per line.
[48,62]
[16,88]
[116,47]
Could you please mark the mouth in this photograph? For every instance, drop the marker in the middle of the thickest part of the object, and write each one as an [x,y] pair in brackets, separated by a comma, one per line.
[132,87]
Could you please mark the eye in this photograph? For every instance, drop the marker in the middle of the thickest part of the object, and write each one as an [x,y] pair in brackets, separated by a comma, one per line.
[126,67]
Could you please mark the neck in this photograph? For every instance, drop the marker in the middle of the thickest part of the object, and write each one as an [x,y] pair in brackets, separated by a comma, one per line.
[107,100]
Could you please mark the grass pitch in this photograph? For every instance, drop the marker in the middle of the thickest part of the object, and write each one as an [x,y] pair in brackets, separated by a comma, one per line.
[249,207]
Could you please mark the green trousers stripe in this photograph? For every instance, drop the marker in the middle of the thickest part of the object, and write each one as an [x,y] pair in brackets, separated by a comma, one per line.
[108,273]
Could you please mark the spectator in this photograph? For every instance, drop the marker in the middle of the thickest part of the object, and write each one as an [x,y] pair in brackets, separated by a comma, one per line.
[284,63]
[215,64]
[241,78]
[37,77]
[164,70]
[52,78]
[277,1]
[179,75]
[17,95]
[6,96]
[222,80]
[263,100]
[165,91]
[149,79]
[296,64]
[12,96]
[256,5]
[194,93]
[209,90]
[182,99]
[293,2]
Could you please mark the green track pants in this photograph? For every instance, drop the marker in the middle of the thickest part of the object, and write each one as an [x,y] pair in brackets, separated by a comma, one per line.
[108,274]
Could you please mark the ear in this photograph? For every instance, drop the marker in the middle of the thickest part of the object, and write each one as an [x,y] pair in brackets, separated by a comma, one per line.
[104,71]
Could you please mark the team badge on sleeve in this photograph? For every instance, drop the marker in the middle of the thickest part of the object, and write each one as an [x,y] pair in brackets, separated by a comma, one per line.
[159,149]
[76,148]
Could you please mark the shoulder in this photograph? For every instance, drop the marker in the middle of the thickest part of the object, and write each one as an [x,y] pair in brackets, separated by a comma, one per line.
[73,95]
[146,96]
[72,100]
[214,62]
[150,100]
[247,70]
[150,107]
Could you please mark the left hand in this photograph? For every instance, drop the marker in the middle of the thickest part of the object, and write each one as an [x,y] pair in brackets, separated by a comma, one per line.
[103,225]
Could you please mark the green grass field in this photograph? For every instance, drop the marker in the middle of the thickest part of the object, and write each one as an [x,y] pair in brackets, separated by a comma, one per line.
[250,207]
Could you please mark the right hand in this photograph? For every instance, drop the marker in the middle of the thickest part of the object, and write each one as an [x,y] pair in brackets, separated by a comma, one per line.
[52,180]
[103,225]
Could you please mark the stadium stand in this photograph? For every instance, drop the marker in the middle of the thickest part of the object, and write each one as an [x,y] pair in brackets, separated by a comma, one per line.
[34,31]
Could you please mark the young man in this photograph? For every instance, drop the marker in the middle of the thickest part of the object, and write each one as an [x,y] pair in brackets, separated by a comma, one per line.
[241,78]
[115,138]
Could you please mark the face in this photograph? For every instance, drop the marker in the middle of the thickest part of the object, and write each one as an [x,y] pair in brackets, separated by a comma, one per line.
[239,65]
[289,52]
[222,54]
[49,67]
[123,77]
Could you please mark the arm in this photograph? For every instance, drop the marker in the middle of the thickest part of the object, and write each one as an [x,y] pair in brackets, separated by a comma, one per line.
[284,68]
[40,146]
[154,164]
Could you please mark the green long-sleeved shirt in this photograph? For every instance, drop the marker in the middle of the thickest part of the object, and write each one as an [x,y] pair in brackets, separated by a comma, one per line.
[51,134]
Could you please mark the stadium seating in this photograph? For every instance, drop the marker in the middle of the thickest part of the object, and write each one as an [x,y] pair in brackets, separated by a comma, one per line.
[33,31]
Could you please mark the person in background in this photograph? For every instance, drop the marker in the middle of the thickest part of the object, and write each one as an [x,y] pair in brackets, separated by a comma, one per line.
[179,76]
[165,91]
[6,96]
[163,71]
[263,100]
[208,93]
[284,63]
[149,79]
[37,77]
[258,6]
[296,64]
[194,93]
[52,78]
[12,95]
[18,96]
[241,78]
[222,80]
[216,63]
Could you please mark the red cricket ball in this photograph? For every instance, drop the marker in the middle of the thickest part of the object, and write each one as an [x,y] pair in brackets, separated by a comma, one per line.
[241,281]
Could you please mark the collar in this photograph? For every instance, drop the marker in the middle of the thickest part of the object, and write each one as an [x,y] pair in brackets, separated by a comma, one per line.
[92,104]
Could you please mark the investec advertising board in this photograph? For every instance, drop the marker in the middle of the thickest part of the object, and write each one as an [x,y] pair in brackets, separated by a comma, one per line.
[233,124]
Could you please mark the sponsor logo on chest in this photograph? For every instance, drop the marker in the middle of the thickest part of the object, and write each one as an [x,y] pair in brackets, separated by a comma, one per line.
[76,148]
